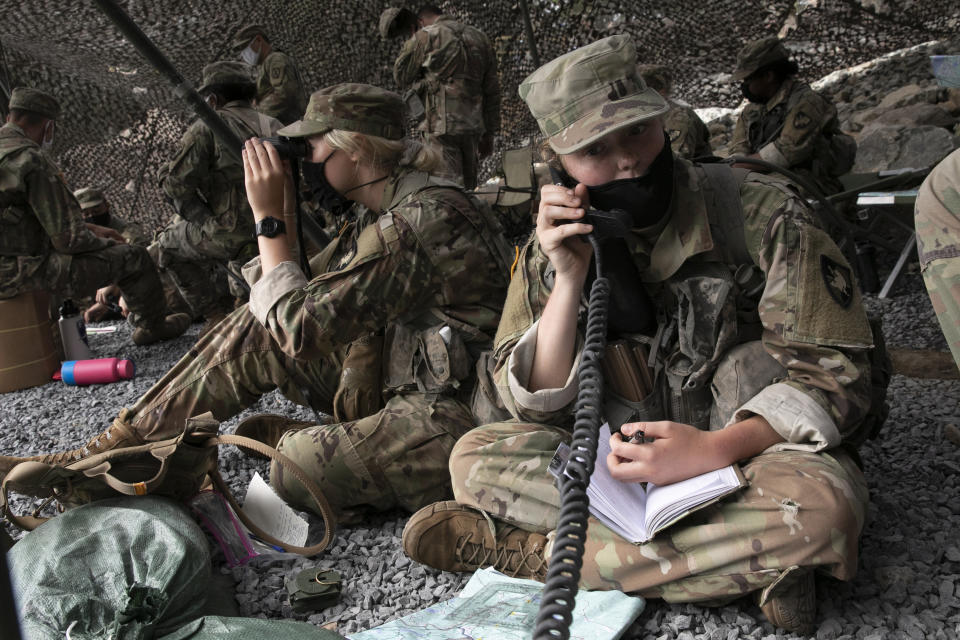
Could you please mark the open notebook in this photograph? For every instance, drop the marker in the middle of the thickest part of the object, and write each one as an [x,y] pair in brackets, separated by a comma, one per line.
[637,514]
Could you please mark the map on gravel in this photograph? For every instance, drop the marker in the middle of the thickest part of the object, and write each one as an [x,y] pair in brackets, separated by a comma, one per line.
[496,607]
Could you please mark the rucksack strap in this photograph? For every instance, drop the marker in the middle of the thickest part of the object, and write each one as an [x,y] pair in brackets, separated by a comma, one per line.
[289,467]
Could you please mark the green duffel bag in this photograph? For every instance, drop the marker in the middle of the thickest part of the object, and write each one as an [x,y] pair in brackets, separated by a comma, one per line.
[122,568]
[219,628]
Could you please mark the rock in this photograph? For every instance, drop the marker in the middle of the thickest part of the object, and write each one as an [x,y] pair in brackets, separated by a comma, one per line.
[914,115]
[910,94]
[900,147]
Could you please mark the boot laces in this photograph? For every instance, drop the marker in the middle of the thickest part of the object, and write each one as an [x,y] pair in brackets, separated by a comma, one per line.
[98,443]
[511,560]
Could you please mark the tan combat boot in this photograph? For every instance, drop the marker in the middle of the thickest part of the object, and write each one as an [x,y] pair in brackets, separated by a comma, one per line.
[452,537]
[791,602]
[171,327]
[268,429]
[117,436]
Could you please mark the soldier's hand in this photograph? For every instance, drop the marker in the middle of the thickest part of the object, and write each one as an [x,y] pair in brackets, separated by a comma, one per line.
[105,232]
[105,293]
[558,237]
[678,451]
[265,176]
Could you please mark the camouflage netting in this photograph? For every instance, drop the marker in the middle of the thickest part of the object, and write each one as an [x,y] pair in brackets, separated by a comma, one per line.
[121,119]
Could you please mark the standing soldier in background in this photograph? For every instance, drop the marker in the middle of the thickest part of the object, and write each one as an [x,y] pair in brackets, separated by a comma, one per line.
[280,91]
[96,210]
[689,136]
[214,226]
[787,123]
[451,69]
[44,242]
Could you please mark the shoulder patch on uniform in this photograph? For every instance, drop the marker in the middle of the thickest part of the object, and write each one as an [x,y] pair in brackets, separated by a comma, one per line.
[276,72]
[673,134]
[801,120]
[838,279]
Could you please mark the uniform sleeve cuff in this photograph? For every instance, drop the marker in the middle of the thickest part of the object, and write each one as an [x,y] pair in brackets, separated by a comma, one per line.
[252,271]
[519,367]
[273,286]
[771,154]
[797,417]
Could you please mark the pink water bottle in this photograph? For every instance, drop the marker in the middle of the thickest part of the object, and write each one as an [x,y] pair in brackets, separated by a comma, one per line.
[98,371]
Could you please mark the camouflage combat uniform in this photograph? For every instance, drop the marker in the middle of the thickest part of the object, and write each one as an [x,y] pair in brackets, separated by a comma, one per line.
[938,242]
[44,244]
[761,317]
[452,68]
[280,91]
[796,129]
[689,136]
[428,262]
[215,225]
[90,198]
[788,131]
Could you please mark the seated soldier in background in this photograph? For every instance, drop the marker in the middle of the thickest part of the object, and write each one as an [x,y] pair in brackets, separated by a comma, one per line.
[44,242]
[280,92]
[97,210]
[214,226]
[109,304]
[787,123]
[689,136]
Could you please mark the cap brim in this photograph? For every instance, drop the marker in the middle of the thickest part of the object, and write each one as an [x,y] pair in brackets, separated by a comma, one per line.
[742,74]
[303,128]
[609,117]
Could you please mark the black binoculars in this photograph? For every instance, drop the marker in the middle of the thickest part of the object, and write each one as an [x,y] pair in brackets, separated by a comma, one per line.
[289,148]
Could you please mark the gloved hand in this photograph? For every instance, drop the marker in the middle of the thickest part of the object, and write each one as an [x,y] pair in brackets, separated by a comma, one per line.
[359,394]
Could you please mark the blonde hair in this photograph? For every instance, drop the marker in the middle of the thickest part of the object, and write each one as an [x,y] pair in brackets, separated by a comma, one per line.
[385,153]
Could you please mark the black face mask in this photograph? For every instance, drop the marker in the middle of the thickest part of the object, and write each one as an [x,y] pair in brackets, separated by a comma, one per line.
[750,95]
[326,196]
[102,219]
[646,198]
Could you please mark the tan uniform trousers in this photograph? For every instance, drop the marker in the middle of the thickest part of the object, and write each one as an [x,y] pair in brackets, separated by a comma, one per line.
[801,509]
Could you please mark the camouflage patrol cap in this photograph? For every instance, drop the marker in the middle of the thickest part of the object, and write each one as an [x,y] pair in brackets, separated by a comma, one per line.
[587,93]
[757,54]
[248,33]
[351,107]
[34,100]
[391,19]
[657,76]
[229,72]
[89,197]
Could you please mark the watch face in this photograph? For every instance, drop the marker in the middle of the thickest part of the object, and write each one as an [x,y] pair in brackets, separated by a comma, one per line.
[269,227]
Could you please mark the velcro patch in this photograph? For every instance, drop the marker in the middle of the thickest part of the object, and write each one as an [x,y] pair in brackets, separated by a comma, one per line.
[839,280]
[801,120]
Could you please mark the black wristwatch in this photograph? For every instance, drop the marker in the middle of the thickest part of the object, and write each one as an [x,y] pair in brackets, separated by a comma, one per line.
[270,227]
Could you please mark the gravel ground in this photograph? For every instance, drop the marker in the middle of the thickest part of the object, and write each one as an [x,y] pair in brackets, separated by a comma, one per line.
[907,586]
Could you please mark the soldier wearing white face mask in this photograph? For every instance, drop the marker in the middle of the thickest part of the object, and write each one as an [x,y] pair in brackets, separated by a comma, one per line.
[279,86]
